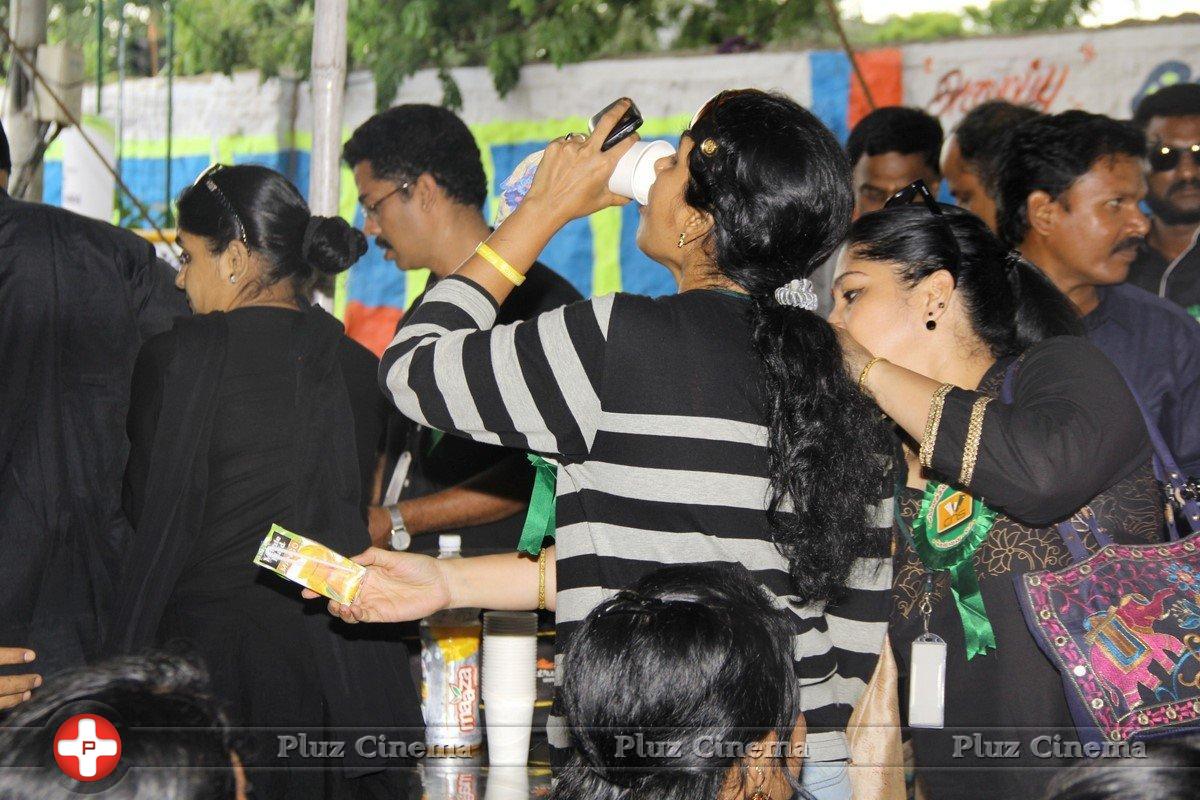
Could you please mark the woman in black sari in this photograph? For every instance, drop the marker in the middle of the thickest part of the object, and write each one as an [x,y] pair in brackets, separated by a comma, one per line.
[936,315]
[242,417]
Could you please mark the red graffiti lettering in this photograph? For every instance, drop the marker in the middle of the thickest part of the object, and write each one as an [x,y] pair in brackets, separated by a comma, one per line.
[1038,86]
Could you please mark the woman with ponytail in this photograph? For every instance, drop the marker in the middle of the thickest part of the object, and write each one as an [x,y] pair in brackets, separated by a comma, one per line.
[243,416]
[1011,423]
[714,425]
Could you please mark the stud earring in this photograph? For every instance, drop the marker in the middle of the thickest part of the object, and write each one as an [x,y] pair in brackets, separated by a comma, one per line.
[930,324]
[679,244]
[233,278]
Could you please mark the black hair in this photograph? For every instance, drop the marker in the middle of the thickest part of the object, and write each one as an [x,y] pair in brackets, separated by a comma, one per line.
[897,129]
[704,662]
[1179,100]
[778,189]
[408,141]
[982,132]
[1010,303]
[1169,770]
[175,741]
[5,155]
[264,207]
[1048,153]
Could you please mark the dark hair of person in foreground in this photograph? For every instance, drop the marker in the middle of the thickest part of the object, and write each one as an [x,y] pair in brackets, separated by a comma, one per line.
[176,744]
[689,656]
[1011,304]
[776,217]
[1170,770]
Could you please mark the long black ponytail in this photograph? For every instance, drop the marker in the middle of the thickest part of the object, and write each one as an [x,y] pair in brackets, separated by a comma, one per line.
[778,188]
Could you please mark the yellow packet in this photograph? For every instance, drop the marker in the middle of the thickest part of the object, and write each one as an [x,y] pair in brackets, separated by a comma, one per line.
[310,564]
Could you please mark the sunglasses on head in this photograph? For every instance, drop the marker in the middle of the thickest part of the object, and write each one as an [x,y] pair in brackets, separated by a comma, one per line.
[206,180]
[1165,157]
[918,188]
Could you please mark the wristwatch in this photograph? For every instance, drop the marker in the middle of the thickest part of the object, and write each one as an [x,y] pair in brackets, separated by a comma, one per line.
[401,538]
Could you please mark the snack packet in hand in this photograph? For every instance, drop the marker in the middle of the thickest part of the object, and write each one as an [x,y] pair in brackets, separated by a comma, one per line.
[310,564]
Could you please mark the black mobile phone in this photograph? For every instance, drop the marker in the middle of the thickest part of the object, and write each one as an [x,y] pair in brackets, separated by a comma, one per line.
[629,122]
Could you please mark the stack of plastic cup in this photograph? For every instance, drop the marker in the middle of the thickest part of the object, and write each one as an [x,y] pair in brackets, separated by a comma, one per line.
[509,684]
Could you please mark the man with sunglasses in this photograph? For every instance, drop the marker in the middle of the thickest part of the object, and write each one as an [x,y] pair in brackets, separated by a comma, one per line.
[421,183]
[1168,264]
[1069,191]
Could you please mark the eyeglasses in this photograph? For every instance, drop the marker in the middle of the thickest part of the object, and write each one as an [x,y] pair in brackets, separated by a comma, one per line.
[372,210]
[918,188]
[1165,157]
[206,178]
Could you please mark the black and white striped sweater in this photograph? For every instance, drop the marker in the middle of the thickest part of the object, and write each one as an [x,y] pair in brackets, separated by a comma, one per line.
[652,410]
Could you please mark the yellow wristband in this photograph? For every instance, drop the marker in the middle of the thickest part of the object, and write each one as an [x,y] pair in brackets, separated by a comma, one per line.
[503,267]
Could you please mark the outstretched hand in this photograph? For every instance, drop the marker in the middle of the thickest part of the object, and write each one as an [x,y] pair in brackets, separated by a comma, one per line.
[398,587]
[572,180]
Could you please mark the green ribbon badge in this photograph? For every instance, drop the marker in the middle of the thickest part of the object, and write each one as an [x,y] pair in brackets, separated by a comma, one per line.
[946,533]
[539,521]
[435,437]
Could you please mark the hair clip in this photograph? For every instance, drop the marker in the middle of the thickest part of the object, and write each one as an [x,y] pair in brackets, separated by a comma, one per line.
[798,292]
[708,147]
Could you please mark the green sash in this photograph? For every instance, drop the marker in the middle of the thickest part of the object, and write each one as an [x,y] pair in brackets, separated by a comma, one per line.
[539,521]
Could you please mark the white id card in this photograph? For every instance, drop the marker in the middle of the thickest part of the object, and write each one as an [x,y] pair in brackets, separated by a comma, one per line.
[927,682]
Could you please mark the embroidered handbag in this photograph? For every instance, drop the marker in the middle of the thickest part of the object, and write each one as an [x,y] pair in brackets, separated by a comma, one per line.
[1123,625]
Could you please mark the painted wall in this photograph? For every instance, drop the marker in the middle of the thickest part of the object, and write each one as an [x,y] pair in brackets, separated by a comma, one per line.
[239,119]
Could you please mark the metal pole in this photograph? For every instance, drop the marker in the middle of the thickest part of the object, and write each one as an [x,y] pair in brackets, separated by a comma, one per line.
[837,24]
[328,88]
[99,56]
[169,11]
[120,89]
[27,23]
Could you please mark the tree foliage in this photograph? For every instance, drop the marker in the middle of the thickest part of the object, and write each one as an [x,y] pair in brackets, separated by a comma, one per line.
[395,38]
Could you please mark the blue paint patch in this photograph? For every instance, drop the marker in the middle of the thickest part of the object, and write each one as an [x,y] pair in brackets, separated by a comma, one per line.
[374,281]
[639,273]
[830,75]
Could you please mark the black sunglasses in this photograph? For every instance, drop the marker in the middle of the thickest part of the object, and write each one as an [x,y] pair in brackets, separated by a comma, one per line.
[917,188]
[1165,157]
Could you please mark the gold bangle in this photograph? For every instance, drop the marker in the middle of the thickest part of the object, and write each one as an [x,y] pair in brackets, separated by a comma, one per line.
[503,267]
[542,580]
[862,376]
[933,421]
[971,448]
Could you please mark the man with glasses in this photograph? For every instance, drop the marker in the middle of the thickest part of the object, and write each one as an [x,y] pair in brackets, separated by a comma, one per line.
[1069,191]
[421,183]
[1168,264]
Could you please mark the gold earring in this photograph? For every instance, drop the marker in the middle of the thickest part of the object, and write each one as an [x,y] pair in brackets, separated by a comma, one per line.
[679,244]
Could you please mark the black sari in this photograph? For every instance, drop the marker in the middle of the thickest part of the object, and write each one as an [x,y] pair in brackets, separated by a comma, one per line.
[240,420]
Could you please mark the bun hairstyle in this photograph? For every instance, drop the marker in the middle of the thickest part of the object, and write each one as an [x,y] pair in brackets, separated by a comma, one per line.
[259,206]
[707,663]
[777,185]
[1010,303]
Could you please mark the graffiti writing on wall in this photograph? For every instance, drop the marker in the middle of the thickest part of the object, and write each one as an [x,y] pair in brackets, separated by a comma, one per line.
[1037,85]
[1165,74]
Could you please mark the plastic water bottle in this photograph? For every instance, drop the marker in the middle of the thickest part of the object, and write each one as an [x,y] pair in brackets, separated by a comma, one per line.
[450,670]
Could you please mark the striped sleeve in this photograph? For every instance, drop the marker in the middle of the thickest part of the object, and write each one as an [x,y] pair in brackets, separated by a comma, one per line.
[533,385]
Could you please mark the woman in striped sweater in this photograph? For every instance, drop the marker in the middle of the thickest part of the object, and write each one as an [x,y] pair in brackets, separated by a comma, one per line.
[715,425]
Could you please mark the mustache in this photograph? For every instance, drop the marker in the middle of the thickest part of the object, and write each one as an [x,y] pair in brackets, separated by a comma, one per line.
[1192,183]
[1132,243]
[382,243]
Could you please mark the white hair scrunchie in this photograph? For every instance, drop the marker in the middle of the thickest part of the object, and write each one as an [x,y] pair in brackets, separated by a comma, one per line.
[798,292]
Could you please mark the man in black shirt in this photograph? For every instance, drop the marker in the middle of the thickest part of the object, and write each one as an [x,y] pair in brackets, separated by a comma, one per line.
[77,299]
[1164,266]
[421,183]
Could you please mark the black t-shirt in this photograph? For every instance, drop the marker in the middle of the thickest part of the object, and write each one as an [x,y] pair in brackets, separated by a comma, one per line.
[1177,281]
[442,462]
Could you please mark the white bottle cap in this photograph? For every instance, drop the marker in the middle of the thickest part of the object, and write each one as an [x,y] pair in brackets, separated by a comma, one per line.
[451,542]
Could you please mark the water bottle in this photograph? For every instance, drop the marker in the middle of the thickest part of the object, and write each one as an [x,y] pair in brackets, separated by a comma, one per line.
[450,671]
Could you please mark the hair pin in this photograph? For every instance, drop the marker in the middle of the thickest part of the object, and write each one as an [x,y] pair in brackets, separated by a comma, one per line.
[708,147]
[798,292]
